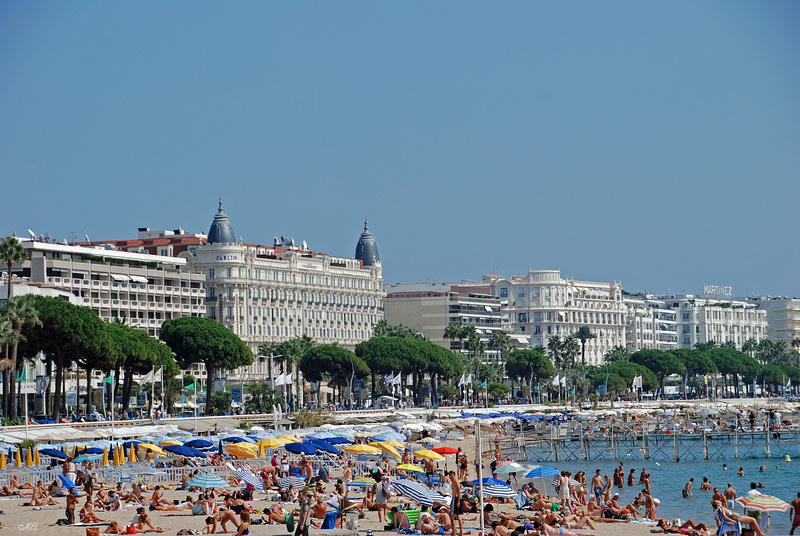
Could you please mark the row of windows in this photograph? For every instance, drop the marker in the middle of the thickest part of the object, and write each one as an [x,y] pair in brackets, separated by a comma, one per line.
[309,297]
[290,277]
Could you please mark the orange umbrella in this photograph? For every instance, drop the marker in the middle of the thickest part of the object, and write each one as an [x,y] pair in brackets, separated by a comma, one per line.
[2,459]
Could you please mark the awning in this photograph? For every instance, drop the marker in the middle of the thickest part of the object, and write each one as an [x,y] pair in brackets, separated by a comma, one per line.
[120,277]
[138,279]
[488,308]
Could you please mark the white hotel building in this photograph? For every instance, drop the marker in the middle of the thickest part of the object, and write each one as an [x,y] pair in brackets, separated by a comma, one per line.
[543,304]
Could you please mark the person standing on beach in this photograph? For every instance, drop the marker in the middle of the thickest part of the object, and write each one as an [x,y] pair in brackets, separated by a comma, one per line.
[795,513]
[687,489]
[597,485]
[455,504]
[730,496]
[72,500]
[302,522]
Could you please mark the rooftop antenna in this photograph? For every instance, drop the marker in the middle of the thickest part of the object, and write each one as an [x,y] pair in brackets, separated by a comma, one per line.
[33,235]
[86,236]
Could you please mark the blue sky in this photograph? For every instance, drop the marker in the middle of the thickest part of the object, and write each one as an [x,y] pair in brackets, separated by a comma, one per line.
[653,143]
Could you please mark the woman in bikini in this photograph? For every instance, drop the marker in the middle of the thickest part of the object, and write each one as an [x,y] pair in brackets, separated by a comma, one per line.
[733,517]
[244,526]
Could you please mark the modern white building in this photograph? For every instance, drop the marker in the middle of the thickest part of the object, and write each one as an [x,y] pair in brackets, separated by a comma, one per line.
[649,324]
[142,289]
[703,319]
[783,317]
[543,304]
[430,307]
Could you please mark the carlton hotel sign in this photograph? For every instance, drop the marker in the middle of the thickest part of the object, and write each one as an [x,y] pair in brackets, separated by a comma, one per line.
[717,291]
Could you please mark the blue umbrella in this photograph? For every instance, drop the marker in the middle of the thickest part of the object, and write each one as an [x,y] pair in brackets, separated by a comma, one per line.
[55,453]
[87,457]
[183,450]
[67,483]
[301,448]
[132,443]
[296,481]
[200,444]
[417,492]
[541,471]
[323,445]
[250,478]
[89,450]
[237,439]
[321,435]
[489,481]
[496,490]
[338,440]
[389,436]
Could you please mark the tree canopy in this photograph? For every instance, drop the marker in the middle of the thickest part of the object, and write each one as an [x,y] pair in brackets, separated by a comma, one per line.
[194,339]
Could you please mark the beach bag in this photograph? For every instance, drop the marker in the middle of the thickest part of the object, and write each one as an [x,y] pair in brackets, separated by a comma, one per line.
[92,531]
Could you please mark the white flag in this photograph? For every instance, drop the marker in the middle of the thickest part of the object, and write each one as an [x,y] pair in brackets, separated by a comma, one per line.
[148,378]
[398,379]
[287,380]
[389,379]
[564,380]
[461,381]
[555,380]
[159,375]
[789,384]
[279,380]
[468,381]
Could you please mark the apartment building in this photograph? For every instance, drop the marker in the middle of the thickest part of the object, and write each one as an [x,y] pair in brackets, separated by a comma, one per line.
[649,324]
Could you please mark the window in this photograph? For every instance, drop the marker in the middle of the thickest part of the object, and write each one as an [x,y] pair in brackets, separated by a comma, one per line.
[504,292]
[522,317]
[520,292]
[211,273]
[228,272]
[537,317]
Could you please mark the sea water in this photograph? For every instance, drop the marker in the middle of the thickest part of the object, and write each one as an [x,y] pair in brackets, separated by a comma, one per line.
[667,479]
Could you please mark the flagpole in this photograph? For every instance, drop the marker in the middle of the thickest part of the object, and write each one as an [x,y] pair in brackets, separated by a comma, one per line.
[113,392]
[480,469]
[153,396]
[195,406]
[25,365]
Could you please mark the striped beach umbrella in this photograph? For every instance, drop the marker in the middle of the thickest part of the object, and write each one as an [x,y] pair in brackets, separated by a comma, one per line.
[509,467]
[87,457]
[497,490]
[208,480]
[417,492]
[241,452]
[363,482]
[296,481]
[763,503]
[250,478]
[536,472]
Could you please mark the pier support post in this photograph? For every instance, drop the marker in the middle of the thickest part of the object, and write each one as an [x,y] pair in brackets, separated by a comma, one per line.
[705,445]
[646,446]
[736,444]
[766,440]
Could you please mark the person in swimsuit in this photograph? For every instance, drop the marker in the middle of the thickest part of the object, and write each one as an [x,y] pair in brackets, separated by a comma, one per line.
[244,525]
[733,517]
[795,512]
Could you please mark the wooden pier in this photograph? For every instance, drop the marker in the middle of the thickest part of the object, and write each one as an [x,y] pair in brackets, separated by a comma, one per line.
[567,444]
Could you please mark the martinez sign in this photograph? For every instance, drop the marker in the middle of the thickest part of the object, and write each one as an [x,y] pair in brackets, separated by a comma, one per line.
[717,290]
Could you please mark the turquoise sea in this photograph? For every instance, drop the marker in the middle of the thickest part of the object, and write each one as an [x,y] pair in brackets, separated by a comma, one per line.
[780,479]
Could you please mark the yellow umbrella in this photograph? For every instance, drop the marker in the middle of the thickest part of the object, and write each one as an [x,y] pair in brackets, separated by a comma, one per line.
[429,454]
[155,448]
[114,455]
[28,457]
[245,445]
[74,452]
[170,442]
[262,451]
[36,460]
[289,439]
[105,456]
[272,442]
[363,449]
[132,457]
[237,450]
[2,459]
[66,450]
[409,467]
[388,449]
[395,444]
[17,460]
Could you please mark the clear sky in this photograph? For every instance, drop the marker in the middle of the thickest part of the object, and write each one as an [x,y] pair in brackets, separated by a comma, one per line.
[653,143]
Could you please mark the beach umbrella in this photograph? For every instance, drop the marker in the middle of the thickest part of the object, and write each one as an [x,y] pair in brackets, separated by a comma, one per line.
[28,457]
[208,480]
[66,482]
[417,492]
[132,457]
[488,481]
[199,444]
[392,443]
[36,460]
[509,467]
[389,436]
[497,490]
[444,451]
[105,457]
[764,503]
[89,450]
[155,448]
[133,442]
[708,411]
[289,439]
[324,446]
[429,454]
[338,440]
[250,478]
[272,442]
[54,453]
[182,450]
[262,451]
[409,467]
[74,452]
[388,449]
[241,452]
[115,456]
[170,442]
[237,439]
[2,459]
[296,481]
[321,435]
[536,472]
[301,448]
[363,449]
[87,457]
[17,459]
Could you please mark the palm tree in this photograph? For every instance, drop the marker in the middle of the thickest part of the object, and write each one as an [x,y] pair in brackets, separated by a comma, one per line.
[749,346]
[381,328]
[796,346]
[6,336]
[618,353]
[451,332]
[21,312]
[11,251]
[502,342]
[570,349]
[583,334]
[554,347]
